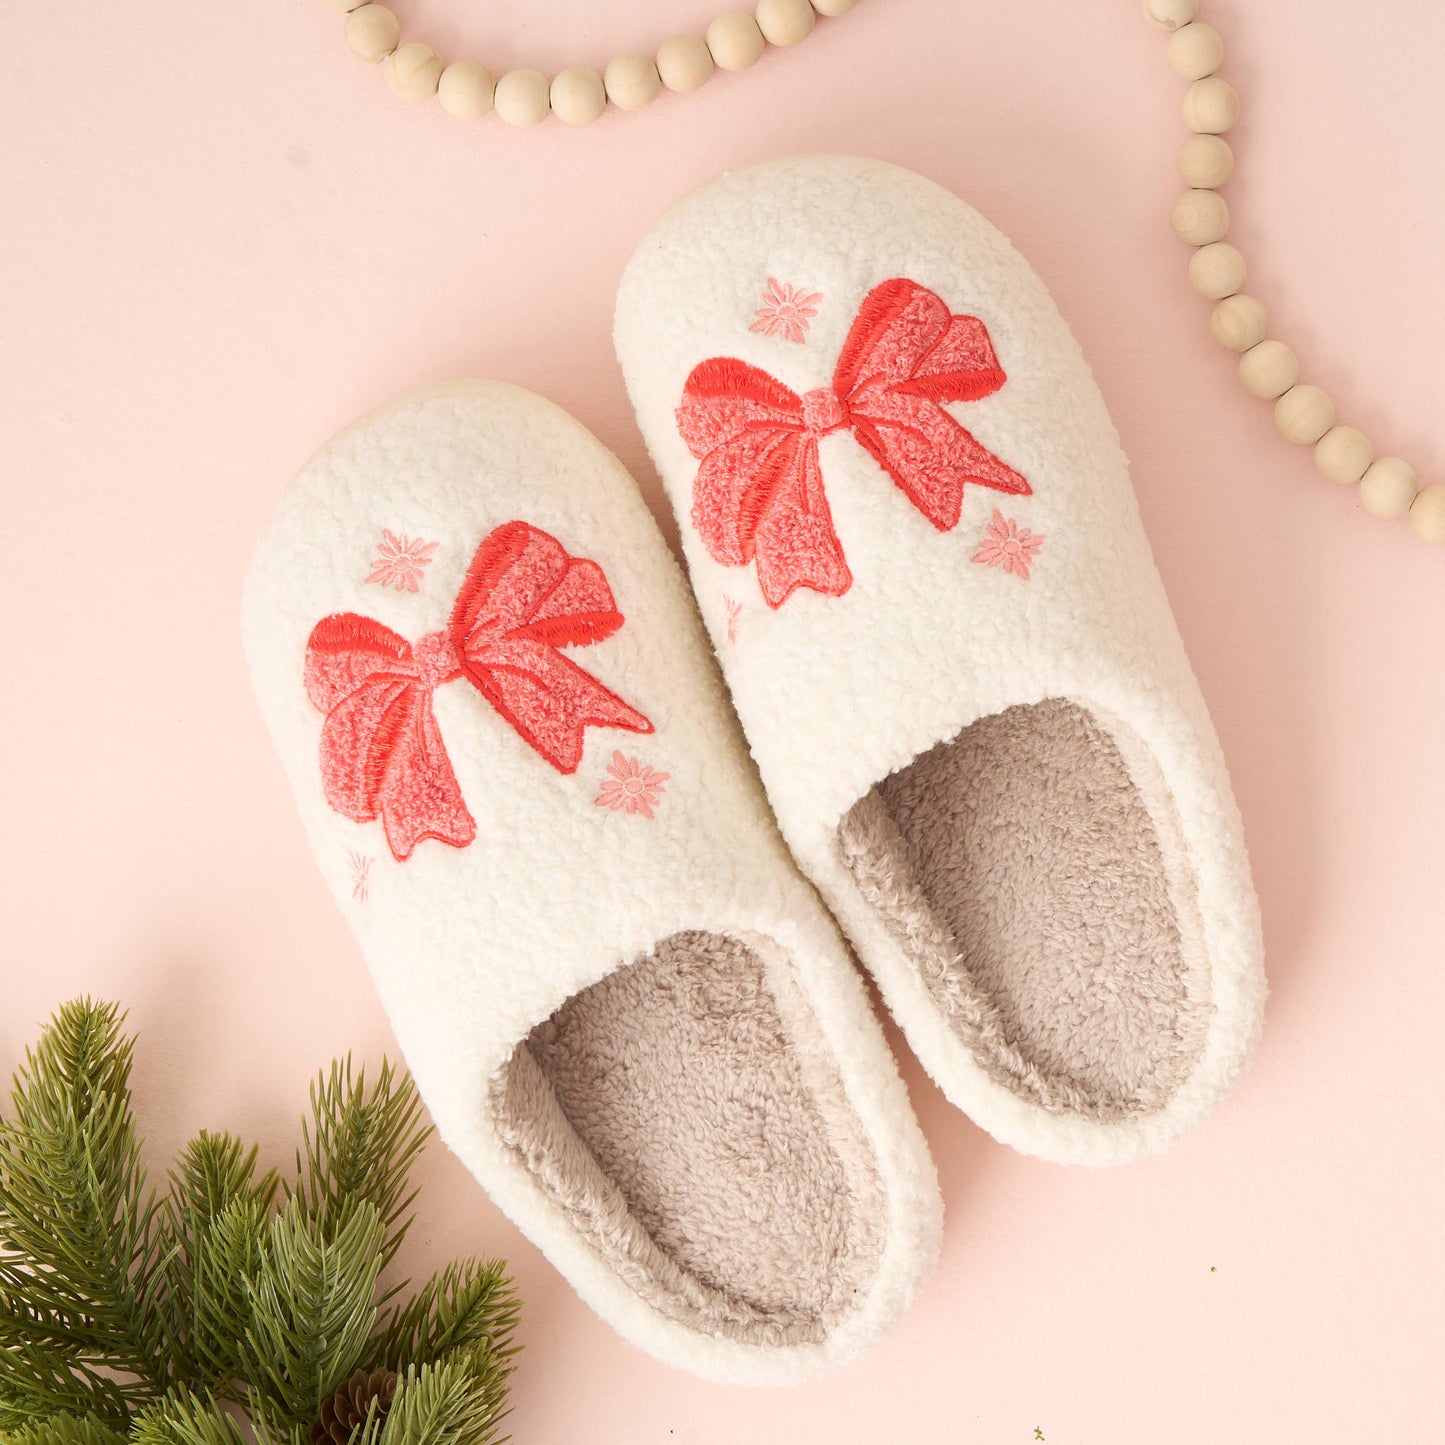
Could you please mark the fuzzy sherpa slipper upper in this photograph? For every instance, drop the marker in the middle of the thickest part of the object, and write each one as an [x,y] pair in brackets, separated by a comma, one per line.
[911,531]
[521,780]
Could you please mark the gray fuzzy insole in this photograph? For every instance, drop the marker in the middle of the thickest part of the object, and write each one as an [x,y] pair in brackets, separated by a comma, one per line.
[686,1113]
[1032,871]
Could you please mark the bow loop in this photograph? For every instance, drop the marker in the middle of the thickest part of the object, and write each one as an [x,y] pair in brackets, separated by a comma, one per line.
[759,492]
[523,597]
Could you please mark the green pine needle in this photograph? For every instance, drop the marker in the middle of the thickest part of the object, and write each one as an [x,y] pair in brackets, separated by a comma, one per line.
[64,1430]
[468,1303]
[311,1307]
[184,1418]
[78,1223]
[362,1147]
[131,1320]
[457,1401]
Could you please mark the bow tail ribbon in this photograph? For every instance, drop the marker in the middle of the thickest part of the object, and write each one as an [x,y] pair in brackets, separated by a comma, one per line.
[548,699]
[381,750]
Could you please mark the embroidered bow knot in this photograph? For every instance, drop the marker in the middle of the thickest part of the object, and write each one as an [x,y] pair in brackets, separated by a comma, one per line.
[522,599]
[759,492]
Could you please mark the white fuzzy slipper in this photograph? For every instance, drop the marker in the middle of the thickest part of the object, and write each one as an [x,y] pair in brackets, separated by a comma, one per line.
[519,774]
[912,535]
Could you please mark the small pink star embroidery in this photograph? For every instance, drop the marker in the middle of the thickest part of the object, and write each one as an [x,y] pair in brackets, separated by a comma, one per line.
[1005,544]
[735,614]
[400,561]
[631,787]
[786,311]
[360,876]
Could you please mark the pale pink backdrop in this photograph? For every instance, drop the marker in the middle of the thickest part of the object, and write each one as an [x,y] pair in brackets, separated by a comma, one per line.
[222,238]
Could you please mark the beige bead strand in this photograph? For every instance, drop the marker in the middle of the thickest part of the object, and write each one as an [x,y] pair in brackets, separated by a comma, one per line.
[1427,513]
[522,97]
[1268,369]
[1205,161]
[1199,217]
[465,90]
[577,95]
[735,41]
[372,33]
[785,22]
[632,81]
[1388,487]
[413,71]
[1238,322]
[684,62]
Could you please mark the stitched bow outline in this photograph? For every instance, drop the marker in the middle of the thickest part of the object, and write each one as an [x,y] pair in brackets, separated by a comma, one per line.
[523,597]
[759,489]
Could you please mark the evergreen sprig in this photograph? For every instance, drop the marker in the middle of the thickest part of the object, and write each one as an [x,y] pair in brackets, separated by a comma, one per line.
[129,1317]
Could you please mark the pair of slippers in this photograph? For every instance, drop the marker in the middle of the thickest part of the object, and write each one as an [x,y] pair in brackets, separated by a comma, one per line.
[617,952]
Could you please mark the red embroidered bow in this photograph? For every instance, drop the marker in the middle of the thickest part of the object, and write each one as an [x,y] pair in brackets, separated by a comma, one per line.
[759,491]
[381,753]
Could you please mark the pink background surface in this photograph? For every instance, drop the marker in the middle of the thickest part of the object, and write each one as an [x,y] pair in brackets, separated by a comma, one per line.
[224,239]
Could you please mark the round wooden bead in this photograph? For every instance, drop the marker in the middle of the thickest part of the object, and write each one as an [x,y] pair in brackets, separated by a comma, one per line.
[1388,487]
[1427,513]
[413,70]
[1238,322]
[1343,454]
[833,7]
[1195,50]
[734,40]
[1269,369]
[521,97]
[1210,105]
[1205,161]
[684,62]
[578,95]
[465,90]
[372,32]
[1304,414]
[785,22]
[1200,217]
[632,81]
[1168,14]
[1216,270]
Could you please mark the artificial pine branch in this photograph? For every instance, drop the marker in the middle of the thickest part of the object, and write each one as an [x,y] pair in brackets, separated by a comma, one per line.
[66,1430]
[131,1320]
[184,1418]
[76,1215]
[363,1146]
[468,1303]
[456,1401]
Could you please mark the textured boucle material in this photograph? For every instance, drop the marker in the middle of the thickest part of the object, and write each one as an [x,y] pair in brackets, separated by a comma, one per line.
[473,948]
[1027,598]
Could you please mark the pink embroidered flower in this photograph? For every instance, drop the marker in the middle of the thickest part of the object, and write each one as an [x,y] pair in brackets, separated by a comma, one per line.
[360,875]
[632,787]
[735,614]
[786,311]
[400,561]
[1005,544]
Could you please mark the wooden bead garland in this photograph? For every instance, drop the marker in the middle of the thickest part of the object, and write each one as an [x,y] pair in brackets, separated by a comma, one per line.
[465,90]
[734,41]
[1303,413]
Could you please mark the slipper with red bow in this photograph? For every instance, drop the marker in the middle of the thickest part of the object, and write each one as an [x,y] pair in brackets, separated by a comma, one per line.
[519,775]
[913,539]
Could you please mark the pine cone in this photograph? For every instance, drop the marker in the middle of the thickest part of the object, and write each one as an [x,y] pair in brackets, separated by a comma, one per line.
[345,1412]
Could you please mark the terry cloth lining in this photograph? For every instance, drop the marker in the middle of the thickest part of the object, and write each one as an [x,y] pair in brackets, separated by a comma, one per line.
[687,1115]
[1032,869]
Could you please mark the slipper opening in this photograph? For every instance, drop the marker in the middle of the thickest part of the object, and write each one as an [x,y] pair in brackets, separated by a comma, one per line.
[1033,871]
[687,1115]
